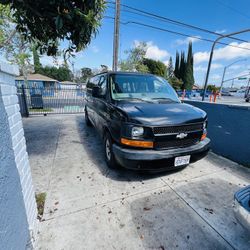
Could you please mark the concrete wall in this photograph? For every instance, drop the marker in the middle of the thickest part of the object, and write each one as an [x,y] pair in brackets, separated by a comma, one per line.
[18,222]
[228,129]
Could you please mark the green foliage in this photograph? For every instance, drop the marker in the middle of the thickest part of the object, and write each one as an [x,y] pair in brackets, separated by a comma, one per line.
[134,61]
[188,77]
[40,201]
[155,67]
[212,88]
[46,21]
[177,65]
[170,72]
[182,66]
[175,82]
[36,59]
[85,74]
[61,74]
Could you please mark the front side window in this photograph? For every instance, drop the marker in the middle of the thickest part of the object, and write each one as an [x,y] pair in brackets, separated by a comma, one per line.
[103,85]
[143,87]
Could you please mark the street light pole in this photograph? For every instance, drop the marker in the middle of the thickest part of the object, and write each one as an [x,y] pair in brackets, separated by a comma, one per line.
[211,56]
[224,72]
[116,35]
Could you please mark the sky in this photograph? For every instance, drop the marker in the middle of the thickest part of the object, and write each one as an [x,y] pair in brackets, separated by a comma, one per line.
[221,16]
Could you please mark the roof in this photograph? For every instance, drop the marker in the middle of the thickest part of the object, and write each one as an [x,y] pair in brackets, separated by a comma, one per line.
[124,72]
[196,87]
[68,83]
[37,77]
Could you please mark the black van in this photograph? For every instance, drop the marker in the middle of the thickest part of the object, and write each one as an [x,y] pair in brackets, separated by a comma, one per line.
[142,122]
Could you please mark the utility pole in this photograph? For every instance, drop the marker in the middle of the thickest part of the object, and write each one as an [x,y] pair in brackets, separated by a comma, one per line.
[211,56]
[116,35]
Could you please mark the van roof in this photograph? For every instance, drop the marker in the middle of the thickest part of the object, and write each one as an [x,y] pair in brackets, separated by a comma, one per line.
[123,72]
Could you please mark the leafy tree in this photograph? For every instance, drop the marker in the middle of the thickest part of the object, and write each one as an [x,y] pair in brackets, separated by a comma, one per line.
[61,74]
[175,82]
[104,68]
[85,74]
[46,21]
[212,88]
[182,66]
[188,77]
[134,61]
[155,67]
[170,68]
[36,59]
[177,65]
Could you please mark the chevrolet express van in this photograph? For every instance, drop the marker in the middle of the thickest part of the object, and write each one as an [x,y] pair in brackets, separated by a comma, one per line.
[143,124]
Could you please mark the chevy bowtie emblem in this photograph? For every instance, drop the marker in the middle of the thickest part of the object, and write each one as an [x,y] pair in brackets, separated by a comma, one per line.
[181,135]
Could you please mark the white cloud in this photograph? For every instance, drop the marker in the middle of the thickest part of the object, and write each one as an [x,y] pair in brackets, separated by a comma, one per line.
[215,77]
[225,53]
[221,31]
[166,62]
[187,40]
[153,51]
[201,68]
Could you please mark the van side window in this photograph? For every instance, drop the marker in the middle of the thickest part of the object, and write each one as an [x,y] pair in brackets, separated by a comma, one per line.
[103,85]
[93,81]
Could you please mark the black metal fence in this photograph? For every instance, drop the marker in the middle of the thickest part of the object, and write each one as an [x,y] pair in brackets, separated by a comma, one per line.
[62,100]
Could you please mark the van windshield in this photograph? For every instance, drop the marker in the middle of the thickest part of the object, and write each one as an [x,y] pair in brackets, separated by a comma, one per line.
[141,87]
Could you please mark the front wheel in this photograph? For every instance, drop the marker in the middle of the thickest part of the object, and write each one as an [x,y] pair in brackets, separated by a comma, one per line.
[88,122]
[108,152]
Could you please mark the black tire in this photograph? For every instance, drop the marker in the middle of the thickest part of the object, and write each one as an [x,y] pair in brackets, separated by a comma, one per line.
[247,100]
[88,122]
[108,152]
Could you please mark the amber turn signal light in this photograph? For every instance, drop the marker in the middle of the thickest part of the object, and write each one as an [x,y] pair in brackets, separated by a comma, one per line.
[135,143]
[203,137]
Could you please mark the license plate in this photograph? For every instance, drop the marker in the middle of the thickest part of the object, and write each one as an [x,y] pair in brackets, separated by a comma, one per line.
[181,160]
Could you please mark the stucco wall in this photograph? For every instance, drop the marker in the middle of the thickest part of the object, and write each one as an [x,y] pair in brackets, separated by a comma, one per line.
[228,129]
[18,211]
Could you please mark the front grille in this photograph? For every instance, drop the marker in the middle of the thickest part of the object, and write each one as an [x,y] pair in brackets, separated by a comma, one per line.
[176,143]
[178,129]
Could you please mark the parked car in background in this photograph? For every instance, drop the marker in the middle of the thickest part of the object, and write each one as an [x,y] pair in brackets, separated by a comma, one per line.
[225,92]
[143,124]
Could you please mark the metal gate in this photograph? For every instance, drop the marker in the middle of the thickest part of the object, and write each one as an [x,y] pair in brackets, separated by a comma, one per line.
[61,100]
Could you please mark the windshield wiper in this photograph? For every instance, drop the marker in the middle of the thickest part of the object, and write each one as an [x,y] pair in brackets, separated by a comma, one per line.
[164,99]
[140,99]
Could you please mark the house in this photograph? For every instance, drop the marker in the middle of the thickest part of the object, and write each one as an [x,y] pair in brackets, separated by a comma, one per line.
[37,81]
[196,87]
[68,85]
[38,84]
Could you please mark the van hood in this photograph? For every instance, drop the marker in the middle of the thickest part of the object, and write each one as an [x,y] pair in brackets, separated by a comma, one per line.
[158,114]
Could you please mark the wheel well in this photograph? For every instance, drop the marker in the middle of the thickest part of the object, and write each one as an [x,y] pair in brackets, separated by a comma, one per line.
[106,131]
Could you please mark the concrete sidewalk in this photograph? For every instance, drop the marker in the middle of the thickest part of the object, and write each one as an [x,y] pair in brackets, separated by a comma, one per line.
[89,206]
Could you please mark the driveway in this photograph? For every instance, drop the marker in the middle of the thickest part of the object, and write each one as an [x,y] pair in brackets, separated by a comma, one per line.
[89,206]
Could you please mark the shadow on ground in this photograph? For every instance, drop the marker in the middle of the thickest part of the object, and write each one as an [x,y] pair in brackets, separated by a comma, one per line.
[41,137]
[163,221]
[93,145]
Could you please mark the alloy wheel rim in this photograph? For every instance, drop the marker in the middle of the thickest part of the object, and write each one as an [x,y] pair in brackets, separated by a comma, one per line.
[108,151]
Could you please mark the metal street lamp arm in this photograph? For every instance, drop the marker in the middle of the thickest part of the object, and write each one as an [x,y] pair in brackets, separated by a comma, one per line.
[211,56]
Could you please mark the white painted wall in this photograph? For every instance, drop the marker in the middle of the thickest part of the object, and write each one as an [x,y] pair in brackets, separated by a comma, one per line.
[18,212]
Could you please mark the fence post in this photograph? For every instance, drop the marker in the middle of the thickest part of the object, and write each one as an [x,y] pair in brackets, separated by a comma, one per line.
[26,110]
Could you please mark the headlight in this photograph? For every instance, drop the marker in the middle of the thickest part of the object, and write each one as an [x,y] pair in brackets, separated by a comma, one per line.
[204,125]
[137,131]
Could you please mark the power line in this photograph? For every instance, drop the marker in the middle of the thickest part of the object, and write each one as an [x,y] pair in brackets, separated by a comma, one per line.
[172,21]
[175,32]
[233,9]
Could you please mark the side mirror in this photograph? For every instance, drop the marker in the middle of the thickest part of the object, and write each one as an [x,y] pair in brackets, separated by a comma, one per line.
[95,91]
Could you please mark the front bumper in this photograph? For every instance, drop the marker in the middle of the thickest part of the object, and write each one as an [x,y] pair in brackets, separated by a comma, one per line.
[162,159]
